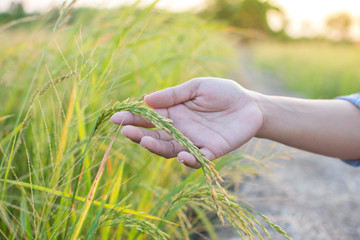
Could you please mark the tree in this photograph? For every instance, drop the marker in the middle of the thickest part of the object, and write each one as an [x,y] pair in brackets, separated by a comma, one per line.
[338,26]
[15,11]
[248,14]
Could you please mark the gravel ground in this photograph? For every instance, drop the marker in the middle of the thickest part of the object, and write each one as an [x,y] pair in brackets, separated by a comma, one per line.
[309,196]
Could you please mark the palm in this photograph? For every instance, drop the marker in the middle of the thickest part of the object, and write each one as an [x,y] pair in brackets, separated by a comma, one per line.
[216,121]
[216,115]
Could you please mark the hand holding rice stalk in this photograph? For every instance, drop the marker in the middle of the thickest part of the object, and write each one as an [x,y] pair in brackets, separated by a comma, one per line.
[219,116]
[216,114]
[239,216]
[139,108]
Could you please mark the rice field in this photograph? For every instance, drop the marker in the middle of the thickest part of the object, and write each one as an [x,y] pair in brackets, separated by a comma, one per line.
[65,176]
[315,69]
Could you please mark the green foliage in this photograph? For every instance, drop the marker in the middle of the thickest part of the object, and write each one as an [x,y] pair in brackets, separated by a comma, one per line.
[15,12]
[54,86]
[317,70]
[246,14]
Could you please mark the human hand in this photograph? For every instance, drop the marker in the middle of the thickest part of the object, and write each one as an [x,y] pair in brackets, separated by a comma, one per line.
[217,115]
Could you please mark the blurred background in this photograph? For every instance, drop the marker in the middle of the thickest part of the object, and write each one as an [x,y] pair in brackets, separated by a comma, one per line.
[322,35]
[321,19]
[307,49]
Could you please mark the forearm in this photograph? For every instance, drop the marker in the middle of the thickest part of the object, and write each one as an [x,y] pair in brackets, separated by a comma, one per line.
[327,127]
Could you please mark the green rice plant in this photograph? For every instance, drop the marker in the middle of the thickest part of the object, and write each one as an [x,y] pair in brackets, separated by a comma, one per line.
[237,215]
[138,107]
[58,174]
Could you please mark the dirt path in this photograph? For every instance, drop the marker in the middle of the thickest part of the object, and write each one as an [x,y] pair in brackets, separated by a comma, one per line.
[311,197]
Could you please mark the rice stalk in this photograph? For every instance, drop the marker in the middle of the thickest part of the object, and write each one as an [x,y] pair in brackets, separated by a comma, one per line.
[80,221]
[41,91]
[146,227]
[138,107]
[64,15]
[46,145]
[113,193]
[237,215]
[38,93]
[241,217]
[64,137]
[65,195]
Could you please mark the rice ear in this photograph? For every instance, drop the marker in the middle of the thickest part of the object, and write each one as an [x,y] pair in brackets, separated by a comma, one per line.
[138,107]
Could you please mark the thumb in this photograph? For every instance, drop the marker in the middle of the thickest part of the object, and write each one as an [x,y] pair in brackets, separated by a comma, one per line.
[174,95]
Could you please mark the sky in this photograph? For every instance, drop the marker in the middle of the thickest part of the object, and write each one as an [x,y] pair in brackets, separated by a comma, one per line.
[306,17]
[315,12]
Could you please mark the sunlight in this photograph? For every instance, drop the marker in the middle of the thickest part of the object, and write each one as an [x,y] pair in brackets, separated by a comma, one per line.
[304,18]
[310,15]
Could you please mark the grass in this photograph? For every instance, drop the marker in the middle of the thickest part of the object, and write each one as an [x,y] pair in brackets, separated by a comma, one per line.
[317,70]
[66,176]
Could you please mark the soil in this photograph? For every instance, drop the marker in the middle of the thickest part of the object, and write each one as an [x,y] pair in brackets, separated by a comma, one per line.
[309,196]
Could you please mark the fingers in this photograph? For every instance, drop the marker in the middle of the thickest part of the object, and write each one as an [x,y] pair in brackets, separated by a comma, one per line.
[167,149]
[158,142]
[189,160]
[136,134]
[174,95]
[170,149]
[162,144]
[128,118]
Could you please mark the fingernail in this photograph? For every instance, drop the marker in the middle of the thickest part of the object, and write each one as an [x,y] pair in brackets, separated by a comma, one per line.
[180,160]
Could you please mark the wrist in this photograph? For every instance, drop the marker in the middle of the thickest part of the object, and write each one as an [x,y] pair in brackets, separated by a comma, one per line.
[264,104]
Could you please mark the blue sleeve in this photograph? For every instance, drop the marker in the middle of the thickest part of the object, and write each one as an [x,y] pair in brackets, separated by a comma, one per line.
[354,99]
